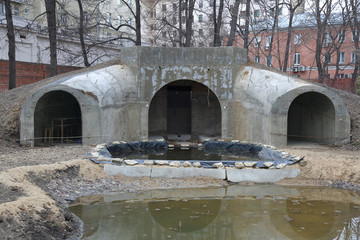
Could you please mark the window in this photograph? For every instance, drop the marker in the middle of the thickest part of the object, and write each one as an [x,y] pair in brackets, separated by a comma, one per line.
[153,14]
[129,2]
[257,13]
[327,37]
[297,39]
[341,75]
[201,18]
[3,7]
[201,32]
[119,2]
[297,59]
[353,57]
[164,34]
[174,33]
[201,3]
[16,11]
[64,1]
[354,35]
[174,7]
[63,18]
[119,20]
[269,61]
[257,59]
[341,36]
[129,21]
[108,36]
[26,11]
[211,3]
[108,17]
[280,11]
[327,58]
[183,19]
[174,19]
[257,41]
[268,41]
[85,16]
[164,7]
[341,57]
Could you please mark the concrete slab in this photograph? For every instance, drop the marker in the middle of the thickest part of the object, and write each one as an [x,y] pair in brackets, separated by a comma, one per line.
[187,172]
[128,171]
[260,175]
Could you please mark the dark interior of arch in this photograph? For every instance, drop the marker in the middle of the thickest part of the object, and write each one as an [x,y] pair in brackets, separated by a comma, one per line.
[184,110]
[311,118]
[57,119]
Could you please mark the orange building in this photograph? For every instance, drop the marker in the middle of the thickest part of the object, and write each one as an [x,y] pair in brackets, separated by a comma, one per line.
[338,47]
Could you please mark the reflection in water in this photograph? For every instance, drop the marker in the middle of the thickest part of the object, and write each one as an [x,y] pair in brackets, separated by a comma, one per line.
[241,213]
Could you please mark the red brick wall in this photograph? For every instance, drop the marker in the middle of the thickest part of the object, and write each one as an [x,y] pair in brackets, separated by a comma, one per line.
[27,73]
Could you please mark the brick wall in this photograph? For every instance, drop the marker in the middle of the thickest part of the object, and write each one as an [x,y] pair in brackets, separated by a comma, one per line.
[27,73]
[340,83]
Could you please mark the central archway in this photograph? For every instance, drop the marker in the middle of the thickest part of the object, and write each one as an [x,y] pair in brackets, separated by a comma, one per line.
[184,110]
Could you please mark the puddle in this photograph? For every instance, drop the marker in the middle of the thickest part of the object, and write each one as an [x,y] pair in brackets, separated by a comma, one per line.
[235,212]
[193,154]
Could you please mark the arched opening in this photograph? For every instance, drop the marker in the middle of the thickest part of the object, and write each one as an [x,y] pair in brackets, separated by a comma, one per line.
[311,118]
[57,119]
[185,110]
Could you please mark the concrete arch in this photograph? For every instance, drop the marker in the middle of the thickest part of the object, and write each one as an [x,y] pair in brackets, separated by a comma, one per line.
[89,108]
[280,113]
[183,110]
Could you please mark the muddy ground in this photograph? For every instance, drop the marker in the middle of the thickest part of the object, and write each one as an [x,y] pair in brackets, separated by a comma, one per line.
[38,183]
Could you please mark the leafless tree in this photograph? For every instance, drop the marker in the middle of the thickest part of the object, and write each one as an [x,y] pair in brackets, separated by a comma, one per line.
[217,20]
[352,8]
[11,50]
[50,6]
[234,13]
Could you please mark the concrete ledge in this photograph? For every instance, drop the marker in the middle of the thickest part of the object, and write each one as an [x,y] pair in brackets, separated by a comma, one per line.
[128,171]
[187,172]
[260,175]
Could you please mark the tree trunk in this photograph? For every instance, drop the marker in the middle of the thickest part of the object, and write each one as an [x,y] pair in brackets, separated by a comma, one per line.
[81,34]
[288,41]
[50,6]
[217,23]
[189,22]
[247,23]
[180,24]
[138,23]
[11,39]
[234,17]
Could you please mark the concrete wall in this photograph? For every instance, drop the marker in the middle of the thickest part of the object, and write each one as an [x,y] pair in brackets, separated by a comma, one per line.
[253,103]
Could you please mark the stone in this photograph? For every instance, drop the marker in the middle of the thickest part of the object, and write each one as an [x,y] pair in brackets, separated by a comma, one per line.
[103,159]
[175,164]
[268,164]
[303,163]
[185,146]
[187,164]
[250,164]
[298,158]
[94,154]
[281,166]
[218,165]
[116,142]
[117,160]
[200,145]
[239,165]
[131,162]
[235,141]
[197,164]
[171,146]
[148,162]
[161,162]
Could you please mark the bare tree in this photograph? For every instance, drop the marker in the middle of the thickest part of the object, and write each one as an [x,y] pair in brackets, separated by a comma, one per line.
[11,39]
[352,9]
[322,13]
[217,19]
[189,16]
[292,9]
[81,34]
[50,6]
[234,12]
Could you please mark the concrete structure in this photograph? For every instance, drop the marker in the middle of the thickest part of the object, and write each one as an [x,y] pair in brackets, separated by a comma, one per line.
[183,93]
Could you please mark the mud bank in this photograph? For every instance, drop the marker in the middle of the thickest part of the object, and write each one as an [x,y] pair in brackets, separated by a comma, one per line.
[33,199]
